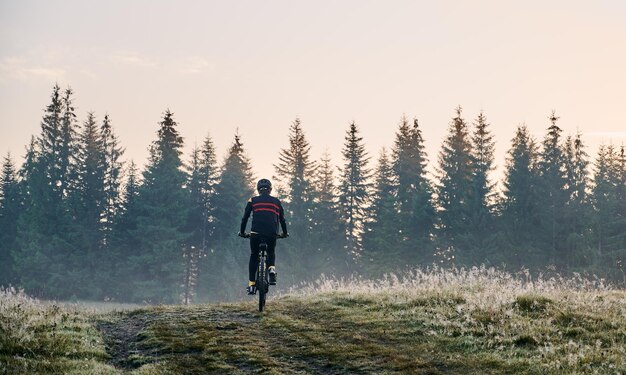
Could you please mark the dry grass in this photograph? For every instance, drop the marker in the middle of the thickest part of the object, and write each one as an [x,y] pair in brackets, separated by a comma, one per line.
[38,337]
[427,321]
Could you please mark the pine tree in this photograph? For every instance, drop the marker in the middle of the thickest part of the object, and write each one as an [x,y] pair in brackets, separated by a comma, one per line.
[380,238]
[197,223]
[519,205]
[416,214]
[113,167]
[50,145]
[354,192]
[406,169]
[553,196]
[295,171]
[209,177]
[201,187]
[609,216]
[31,263]
[88,207]
[455,184]
[621,204]
[228,259]
[481,221]
[69,148]
[577,210]
[163,208]
[483,193]
[46,231]
[201,220]
[327,228]
[602,193]
[576,165]
[10,207]
[124,240]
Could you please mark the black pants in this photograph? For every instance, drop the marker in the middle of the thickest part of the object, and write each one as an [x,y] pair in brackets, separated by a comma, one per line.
[255,241]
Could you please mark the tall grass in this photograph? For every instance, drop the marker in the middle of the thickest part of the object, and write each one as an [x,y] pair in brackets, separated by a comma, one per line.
[557,323]
[38,337]
[464,320]
[461,279]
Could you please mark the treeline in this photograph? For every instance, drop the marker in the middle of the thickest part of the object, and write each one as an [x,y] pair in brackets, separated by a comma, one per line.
[78,223]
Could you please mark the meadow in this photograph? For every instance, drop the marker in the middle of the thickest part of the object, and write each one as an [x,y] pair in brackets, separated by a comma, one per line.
[431,321]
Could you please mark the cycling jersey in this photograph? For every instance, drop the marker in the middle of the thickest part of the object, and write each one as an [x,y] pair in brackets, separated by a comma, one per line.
[267,213]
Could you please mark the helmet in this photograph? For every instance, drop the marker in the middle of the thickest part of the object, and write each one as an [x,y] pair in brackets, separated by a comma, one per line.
[264,185]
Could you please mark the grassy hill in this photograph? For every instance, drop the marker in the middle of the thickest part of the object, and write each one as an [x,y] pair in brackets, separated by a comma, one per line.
[461,321]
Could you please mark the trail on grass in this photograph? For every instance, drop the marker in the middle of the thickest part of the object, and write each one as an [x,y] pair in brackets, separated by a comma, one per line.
[122,339]
[202,339]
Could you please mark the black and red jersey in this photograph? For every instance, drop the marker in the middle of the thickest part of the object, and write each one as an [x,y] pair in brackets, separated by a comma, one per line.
[267,213]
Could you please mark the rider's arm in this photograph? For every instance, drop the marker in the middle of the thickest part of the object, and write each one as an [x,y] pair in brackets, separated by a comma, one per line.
[246,215]
[283,223]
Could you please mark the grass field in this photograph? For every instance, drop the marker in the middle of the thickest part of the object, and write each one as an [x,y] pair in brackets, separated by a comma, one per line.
[436,321]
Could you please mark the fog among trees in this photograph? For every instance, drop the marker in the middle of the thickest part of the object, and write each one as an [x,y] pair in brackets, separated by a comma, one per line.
[78,223]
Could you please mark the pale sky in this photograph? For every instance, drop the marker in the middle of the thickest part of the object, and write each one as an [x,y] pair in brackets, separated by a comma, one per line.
[257,65]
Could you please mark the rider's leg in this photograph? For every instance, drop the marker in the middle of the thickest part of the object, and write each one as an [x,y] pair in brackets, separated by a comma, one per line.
[254,259]
[271,252]
[271,259]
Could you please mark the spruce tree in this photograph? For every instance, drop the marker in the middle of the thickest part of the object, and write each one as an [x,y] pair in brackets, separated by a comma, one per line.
[209,177]
[10,207]
[576,169]
[327,228]
[483,147]
[89,206]
[203,180]
[602,193]
[46,231]
[30,261]
[50,146]
[113,167]
[124,240]
[519,205]
[577,210]
[553,194]
[455,184]
[416,214]
[229,254]
[197,223]
[162,204]
[295,171]
[354,192]
[621,204]
[481,221]
[203,174]
[406,169]
[609,216]
[380,239]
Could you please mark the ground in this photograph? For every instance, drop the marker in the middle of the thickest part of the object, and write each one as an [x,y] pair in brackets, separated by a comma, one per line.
[430,324]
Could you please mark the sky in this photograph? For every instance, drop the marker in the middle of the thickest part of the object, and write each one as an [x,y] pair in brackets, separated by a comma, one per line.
[253,67]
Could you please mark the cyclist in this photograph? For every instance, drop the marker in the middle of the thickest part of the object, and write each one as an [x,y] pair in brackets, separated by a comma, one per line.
[267,215]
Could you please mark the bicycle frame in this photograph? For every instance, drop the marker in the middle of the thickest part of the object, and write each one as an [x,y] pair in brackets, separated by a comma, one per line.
[262,281]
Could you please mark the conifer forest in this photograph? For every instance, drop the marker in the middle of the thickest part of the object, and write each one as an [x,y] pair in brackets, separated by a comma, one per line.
[78,222]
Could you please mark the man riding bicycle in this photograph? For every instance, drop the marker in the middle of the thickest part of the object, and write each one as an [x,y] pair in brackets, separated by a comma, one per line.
[267,214]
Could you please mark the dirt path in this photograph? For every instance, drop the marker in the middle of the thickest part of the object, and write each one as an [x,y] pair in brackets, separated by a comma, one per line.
[122,339]
[211,339]
[140,337]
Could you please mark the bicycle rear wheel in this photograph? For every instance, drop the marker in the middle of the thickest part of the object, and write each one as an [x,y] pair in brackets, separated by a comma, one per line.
[261,284]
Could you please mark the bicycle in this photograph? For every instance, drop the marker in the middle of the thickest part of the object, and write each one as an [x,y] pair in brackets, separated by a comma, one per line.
[262,282]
